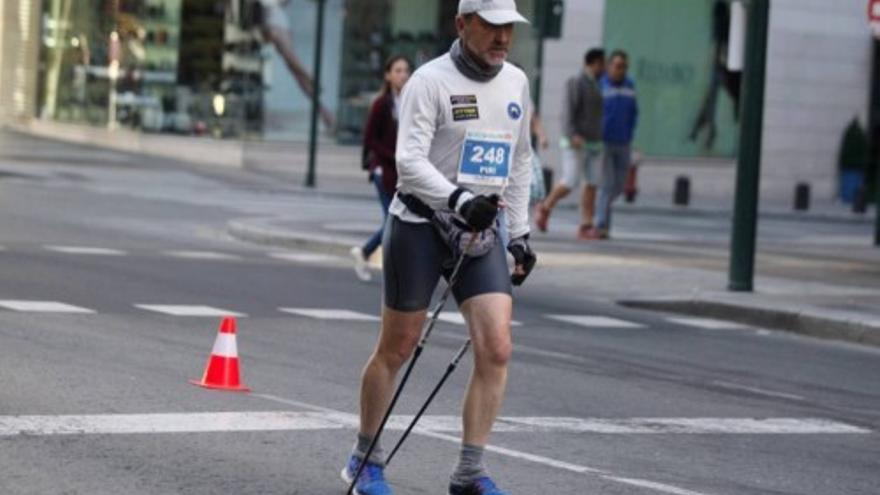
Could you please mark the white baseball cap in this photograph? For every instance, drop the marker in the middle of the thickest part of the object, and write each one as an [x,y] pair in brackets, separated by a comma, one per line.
[497,12]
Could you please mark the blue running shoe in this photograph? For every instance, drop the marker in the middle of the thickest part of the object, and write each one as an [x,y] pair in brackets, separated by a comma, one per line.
[482,486]
[371,481]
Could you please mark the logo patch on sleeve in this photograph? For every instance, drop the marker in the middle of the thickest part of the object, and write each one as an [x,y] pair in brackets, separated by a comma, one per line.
[465,113]
[514,111]
[463,99]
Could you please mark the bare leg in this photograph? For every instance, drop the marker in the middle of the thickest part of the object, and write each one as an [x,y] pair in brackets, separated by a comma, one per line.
[488,318]
[544,208]
[558,192]
[588,205]
[399,336]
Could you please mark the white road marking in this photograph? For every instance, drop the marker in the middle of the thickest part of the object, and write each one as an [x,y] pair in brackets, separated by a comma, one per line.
[202,255]
[306,257]
[323,420]
[169,423]
[706,323]
[677,426]
[182,310]
[653,485]
[516,454]
[456,318]
[43,307]
[758,391]
[86,250]
[452,317]
[330,314]
[595,321]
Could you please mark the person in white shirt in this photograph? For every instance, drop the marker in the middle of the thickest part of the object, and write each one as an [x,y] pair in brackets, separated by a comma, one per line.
[463,150]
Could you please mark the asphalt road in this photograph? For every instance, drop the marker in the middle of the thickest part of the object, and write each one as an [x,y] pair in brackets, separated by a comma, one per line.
[94,396]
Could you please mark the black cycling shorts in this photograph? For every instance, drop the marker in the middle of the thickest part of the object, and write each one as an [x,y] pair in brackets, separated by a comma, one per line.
[415,257]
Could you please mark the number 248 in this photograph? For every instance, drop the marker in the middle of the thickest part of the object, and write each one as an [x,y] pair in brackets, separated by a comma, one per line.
[494,155]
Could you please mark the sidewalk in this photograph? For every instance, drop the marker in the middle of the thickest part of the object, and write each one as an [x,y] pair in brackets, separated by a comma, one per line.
[338,168]
[637,273]
[818,274]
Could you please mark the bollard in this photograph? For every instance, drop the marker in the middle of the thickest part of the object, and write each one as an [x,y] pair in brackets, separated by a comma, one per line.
[682,196]
[860,202]
[802,197]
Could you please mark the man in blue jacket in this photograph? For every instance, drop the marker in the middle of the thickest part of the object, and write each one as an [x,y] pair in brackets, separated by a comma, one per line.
[619,118]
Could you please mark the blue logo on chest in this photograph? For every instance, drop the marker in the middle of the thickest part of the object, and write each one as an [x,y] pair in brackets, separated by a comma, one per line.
[514,111]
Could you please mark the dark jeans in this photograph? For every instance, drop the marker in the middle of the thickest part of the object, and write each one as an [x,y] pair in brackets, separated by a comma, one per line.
[614,167]
[385,199]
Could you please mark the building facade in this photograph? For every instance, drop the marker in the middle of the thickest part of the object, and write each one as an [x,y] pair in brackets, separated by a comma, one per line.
[820,59]
[233,69]
[18,58]
[242,70]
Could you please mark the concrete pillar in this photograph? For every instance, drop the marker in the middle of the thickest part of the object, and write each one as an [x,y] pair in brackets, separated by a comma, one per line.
[19,44]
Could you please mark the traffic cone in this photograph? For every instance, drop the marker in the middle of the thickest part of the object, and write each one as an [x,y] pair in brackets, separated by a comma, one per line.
[222,372]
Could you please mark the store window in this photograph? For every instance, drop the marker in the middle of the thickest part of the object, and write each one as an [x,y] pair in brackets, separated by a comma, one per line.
[687,98]
[233,68]
[147,65]
[419,29]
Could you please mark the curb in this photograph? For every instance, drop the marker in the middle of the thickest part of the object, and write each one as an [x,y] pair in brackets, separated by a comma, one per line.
[261,231]
[802,321]
[704,212]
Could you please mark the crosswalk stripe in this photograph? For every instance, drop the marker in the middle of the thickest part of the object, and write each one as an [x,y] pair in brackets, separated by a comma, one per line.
[86,250]
[595,321]
[706,323]
[452,317]
[183,310]
[43,307]
[456,318]
[330,314]
[305,257]
[299,420]
[202,255]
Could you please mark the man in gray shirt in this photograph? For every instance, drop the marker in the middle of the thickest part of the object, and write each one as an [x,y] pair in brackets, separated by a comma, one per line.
[581,143]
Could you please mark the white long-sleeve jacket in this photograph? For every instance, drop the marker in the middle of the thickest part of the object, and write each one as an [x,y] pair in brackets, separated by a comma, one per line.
[438,109]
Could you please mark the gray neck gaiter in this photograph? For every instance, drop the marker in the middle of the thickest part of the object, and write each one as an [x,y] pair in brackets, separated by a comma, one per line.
[470,67]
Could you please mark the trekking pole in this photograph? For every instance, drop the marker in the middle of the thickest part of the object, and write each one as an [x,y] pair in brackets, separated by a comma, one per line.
[449,370]
[453,278]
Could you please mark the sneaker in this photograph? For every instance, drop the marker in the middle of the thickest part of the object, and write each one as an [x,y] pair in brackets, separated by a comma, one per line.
[482,486]
[584,232]
[360,264]
[542,217]
[371,481]
[594,235]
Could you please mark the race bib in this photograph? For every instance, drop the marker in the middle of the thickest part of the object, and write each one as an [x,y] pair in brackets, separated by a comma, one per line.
[485,158]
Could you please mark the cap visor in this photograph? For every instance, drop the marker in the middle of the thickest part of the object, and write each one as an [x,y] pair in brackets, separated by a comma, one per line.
[501,17]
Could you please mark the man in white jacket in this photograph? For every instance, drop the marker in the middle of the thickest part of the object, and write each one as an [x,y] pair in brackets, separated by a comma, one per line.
[463,147]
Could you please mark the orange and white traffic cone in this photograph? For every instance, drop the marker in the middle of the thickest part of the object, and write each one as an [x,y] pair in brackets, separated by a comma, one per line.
[222,370]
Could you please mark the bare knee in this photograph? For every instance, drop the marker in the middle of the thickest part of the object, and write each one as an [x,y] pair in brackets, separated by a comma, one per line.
[495,351]
[392,355]
[400,336]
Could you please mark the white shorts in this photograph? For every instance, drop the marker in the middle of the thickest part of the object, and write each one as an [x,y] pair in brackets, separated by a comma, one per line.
[578,165]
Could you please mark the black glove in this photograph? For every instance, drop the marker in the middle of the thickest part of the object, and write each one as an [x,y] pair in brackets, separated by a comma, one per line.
[523,256]
[480,211]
